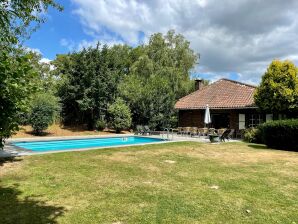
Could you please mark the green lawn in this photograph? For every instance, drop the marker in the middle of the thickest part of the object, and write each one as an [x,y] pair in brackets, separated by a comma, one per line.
[168,183]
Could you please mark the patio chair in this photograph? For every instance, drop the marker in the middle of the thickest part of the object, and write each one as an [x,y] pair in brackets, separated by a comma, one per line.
[140,130]
[231,134]
[186,130]
[225,135]
[203,131]
[180,131]
[211,131]
[194,131]
[221,131]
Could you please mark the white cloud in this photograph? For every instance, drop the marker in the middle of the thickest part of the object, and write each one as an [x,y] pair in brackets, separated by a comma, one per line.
[76,46]
[42,60]
[69,44]
[45,60]
[35,50]
[85,43]
[241,36]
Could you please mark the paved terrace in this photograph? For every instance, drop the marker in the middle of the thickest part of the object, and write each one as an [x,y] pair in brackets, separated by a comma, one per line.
[12,151]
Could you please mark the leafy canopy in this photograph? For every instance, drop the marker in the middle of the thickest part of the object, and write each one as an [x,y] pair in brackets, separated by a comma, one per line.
[278,91]
[89,82]
[16,86]
[16,16]
[158,78]
[150,78]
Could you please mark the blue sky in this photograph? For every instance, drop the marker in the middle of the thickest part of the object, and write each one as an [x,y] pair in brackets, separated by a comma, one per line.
[59,26]
[236,41]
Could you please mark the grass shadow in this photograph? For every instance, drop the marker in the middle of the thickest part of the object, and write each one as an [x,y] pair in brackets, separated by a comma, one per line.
[257,146]
[15,210]
[38,134]
[83,128]
[75,128]
[12,159]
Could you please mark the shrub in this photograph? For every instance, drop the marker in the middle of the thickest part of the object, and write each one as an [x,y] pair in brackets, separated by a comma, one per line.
[281,134]
[253,135]
[44,110]
[24,118]
[100,124]
[120,115]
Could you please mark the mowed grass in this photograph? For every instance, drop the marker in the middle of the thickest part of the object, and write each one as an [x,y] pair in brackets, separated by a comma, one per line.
[184,182]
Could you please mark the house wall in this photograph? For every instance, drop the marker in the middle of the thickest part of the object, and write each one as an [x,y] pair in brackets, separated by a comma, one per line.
[191,118]
[195,118]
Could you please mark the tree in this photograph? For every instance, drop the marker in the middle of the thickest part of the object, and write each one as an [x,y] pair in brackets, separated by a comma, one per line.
[90,80]
[16,16]
[120,115]
[44,110]
[158,77]
[150,78]
[16,87]
[278,91]
[17,19]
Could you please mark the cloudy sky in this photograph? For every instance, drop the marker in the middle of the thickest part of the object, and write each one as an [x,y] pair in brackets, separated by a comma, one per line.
[235,39]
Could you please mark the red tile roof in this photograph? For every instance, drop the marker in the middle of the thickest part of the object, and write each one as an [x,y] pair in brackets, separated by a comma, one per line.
[221,94]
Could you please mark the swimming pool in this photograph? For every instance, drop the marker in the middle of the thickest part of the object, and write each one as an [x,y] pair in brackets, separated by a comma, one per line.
[57,145]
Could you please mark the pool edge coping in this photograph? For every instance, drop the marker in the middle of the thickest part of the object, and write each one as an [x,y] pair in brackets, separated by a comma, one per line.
[14,151]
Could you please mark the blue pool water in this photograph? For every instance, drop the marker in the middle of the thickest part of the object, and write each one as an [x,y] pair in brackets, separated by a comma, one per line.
[45,146]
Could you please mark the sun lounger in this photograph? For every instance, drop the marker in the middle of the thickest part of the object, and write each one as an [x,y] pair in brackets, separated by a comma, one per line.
[225,135]
[147,130]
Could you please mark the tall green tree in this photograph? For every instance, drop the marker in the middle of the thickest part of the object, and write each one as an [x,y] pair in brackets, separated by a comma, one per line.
[150,78]
[16,87]
[158,77]
[18,18]
[90,79]
[278,91]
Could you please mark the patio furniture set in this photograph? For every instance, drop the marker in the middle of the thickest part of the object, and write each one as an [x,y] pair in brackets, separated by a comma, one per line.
[145,130]
[215,135]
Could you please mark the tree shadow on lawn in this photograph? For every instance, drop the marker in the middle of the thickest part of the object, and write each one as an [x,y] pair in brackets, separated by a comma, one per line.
[83,128]
[26,210]
[41,134]
[257,146]
[11,159]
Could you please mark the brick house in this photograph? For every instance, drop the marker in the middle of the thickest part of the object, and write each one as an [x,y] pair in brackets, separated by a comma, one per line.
[231,105]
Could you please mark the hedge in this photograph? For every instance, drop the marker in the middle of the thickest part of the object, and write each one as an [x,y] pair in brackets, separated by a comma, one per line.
[280,134]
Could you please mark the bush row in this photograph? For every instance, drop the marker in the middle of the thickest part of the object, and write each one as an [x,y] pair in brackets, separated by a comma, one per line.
[280,134]
[45,108]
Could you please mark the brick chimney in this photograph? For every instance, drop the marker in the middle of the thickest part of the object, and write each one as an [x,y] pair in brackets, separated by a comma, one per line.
[198,84]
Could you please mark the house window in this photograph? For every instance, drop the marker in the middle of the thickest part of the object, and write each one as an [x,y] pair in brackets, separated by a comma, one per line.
[241,121]
[254,120]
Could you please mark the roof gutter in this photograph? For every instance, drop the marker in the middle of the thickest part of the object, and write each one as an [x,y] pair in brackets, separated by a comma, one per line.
[217,108]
